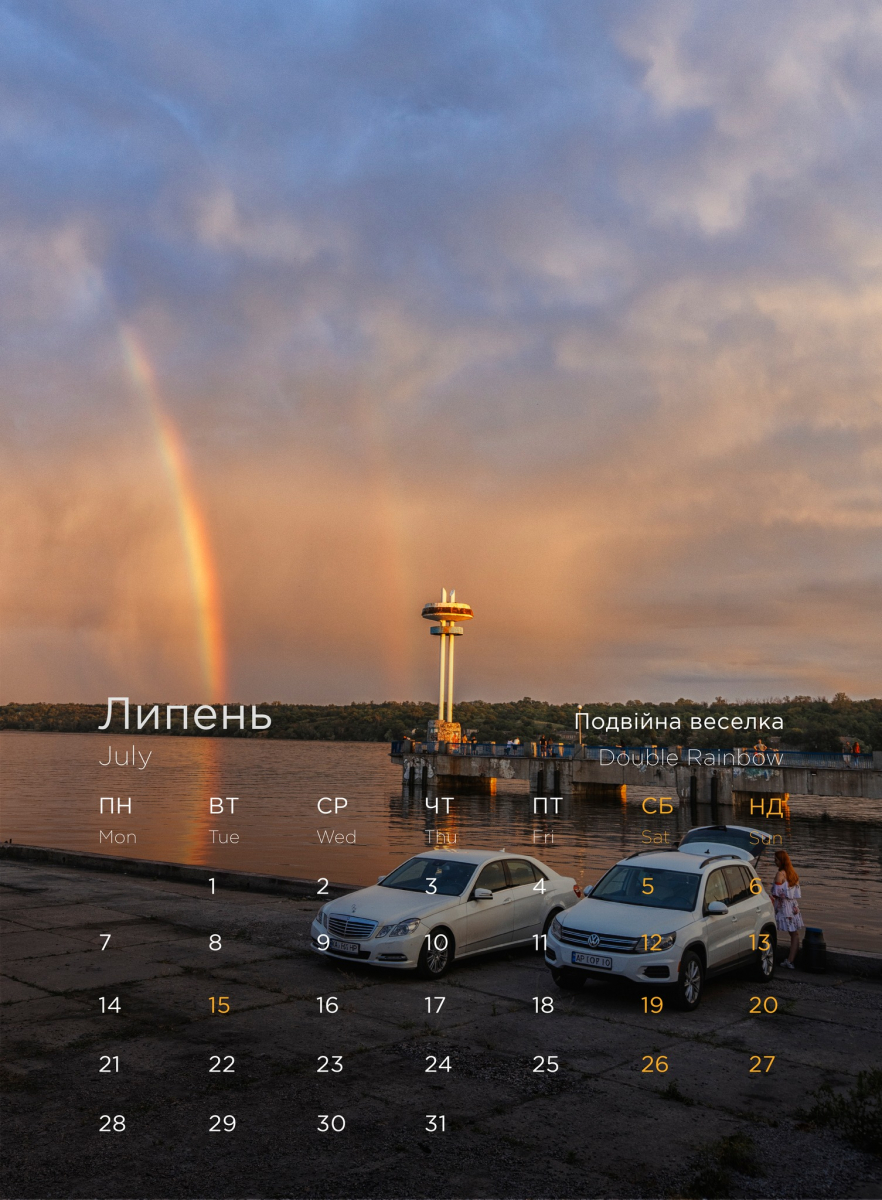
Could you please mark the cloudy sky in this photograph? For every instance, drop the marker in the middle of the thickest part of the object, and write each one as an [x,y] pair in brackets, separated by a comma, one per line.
[572,307]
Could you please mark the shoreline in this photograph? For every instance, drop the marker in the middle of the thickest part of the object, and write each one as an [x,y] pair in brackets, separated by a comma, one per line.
[856,962]
[244,881]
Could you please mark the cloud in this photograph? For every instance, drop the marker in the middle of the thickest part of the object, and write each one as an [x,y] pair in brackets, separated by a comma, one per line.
[572,307]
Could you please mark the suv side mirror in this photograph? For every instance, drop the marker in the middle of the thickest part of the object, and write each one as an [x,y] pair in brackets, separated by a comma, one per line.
[717,908]
[482,894]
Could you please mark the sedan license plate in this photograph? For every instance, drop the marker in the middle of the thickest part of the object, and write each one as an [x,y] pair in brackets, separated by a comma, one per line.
[590,960]
[344,947]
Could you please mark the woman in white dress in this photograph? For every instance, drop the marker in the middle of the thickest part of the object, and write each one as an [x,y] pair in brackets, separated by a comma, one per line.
[786,896]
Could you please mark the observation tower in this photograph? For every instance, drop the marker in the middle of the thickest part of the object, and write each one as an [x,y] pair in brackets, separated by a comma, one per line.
[447,613]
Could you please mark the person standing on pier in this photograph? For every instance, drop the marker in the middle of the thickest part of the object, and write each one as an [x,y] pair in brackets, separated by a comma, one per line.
[786,895]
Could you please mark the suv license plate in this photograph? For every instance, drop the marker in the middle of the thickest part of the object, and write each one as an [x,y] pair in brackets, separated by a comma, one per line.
[346,947]
[588,960]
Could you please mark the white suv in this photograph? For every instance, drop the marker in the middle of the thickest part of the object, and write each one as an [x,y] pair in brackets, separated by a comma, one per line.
[667,918]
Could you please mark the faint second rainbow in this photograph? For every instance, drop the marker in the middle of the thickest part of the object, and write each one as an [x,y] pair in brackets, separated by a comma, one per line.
[194,535]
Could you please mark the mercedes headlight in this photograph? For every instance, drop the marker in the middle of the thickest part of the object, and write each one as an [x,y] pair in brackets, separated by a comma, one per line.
[556,928]
[400,930]
[322,918]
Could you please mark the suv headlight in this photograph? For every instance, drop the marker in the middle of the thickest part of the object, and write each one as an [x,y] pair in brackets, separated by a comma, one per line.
[556,928]
[399,930]
[655,941]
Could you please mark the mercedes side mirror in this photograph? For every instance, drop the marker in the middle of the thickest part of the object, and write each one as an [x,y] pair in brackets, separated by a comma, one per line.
[717,908]
[483,894]
[380,878]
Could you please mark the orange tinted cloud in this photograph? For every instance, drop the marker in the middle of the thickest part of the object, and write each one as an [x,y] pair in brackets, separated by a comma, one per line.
[573,309]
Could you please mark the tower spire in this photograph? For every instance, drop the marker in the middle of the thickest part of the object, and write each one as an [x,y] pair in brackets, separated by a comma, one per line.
[447,612]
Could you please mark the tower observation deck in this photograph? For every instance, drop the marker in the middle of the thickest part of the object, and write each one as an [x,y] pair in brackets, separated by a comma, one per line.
[446,612]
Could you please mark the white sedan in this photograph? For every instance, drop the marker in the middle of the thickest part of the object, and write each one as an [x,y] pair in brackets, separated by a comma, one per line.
[443,905]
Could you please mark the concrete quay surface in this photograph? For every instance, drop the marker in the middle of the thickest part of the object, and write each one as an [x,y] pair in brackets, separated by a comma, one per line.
[597,1127]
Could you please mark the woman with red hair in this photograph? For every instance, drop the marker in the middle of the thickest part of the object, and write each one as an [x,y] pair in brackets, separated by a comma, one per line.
[785,897]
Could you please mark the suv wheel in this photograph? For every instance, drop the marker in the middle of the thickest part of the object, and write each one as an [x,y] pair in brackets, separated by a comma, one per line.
[570,981]
[690,982]
[763,967]
[436,954]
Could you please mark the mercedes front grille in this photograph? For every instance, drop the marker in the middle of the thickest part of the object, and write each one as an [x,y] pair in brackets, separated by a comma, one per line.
[351,927]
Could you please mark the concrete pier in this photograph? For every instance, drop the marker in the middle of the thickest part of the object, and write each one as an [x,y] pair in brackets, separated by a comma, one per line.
[597,1125]
[566,770]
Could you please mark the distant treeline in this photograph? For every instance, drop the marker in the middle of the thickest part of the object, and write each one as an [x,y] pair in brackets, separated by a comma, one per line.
[809,724]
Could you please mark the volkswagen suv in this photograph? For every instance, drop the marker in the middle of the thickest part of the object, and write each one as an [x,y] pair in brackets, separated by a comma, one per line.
[666,918]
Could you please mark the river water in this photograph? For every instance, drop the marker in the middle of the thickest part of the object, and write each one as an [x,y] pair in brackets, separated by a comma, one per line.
[53,784]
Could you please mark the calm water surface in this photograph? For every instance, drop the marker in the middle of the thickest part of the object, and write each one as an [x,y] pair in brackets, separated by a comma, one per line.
[53,782]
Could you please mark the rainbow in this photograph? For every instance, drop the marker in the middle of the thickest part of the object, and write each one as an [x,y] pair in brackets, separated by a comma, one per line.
[191,522]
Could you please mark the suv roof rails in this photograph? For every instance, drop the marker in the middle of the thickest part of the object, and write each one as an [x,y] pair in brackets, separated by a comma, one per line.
[707,828]
[657,850]
[714,857]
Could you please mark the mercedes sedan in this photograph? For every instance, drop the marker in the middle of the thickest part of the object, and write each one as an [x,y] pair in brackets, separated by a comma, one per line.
[444,905]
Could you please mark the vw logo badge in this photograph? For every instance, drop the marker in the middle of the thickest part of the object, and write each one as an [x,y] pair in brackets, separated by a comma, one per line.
[594,939]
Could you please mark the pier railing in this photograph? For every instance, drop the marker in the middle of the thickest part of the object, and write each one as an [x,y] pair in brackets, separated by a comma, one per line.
[768,759]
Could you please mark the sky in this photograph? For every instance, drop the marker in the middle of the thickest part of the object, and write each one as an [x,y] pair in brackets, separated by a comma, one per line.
[308,310]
